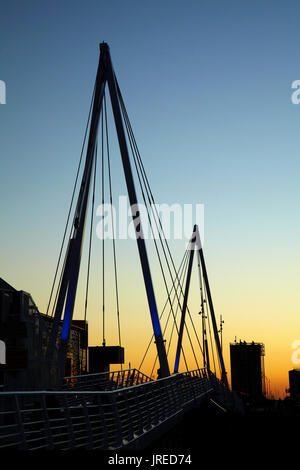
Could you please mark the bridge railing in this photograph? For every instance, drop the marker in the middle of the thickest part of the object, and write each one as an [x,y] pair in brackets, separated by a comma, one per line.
[105,380]
[96,420]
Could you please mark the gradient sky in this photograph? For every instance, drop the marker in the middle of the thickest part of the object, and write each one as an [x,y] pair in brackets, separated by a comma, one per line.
[208,89]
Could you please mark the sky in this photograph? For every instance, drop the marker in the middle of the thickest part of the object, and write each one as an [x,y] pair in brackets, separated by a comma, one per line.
[207,86]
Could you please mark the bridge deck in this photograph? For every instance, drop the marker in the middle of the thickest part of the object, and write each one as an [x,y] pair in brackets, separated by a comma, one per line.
[106,419]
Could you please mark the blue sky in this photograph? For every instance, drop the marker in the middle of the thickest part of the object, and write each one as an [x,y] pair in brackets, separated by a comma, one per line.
[208,89]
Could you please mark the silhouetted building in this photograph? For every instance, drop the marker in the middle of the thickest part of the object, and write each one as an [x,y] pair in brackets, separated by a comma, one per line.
[294,382]
[100,357]
[247,368]
[25,332]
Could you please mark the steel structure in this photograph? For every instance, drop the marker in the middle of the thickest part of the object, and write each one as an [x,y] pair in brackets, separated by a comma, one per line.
[211,306]
[67,292]
[125,408]
[125,416]
[196,245]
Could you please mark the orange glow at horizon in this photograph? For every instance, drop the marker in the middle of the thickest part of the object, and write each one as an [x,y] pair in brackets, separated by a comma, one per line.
[263,323]
[256,306]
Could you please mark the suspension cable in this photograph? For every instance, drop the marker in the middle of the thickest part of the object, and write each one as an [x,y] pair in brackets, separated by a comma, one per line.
[148,215]
[151,228]
[69,213]
[112,222]
[103,246]
[202,312]
[182,276]
[147,187]
[89,254]
[209,329]
[163,310]
[191,343]
[141,171]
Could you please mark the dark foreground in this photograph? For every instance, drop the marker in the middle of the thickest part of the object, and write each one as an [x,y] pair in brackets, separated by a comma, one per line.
[214,437]
[205,437]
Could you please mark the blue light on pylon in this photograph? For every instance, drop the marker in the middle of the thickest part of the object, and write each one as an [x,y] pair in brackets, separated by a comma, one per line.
[67,320]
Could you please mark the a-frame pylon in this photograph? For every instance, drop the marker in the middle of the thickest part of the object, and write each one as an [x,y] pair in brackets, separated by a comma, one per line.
[68,285]
[196,245]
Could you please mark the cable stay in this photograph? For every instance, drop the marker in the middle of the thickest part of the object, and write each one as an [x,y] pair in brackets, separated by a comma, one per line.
[151,209]
[210,340]
[203,313]
[182,275]
[167,327]
[181,271]
[209,304]
[63,305]
[146,191]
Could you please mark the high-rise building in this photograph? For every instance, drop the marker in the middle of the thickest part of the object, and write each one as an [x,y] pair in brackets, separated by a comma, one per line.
[294,381]
[247,368]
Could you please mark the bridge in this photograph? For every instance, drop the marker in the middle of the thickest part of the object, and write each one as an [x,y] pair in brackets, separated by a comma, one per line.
[121,409]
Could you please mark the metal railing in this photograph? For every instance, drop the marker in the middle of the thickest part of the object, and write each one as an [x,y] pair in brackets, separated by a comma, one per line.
[105,380]
[97,420]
